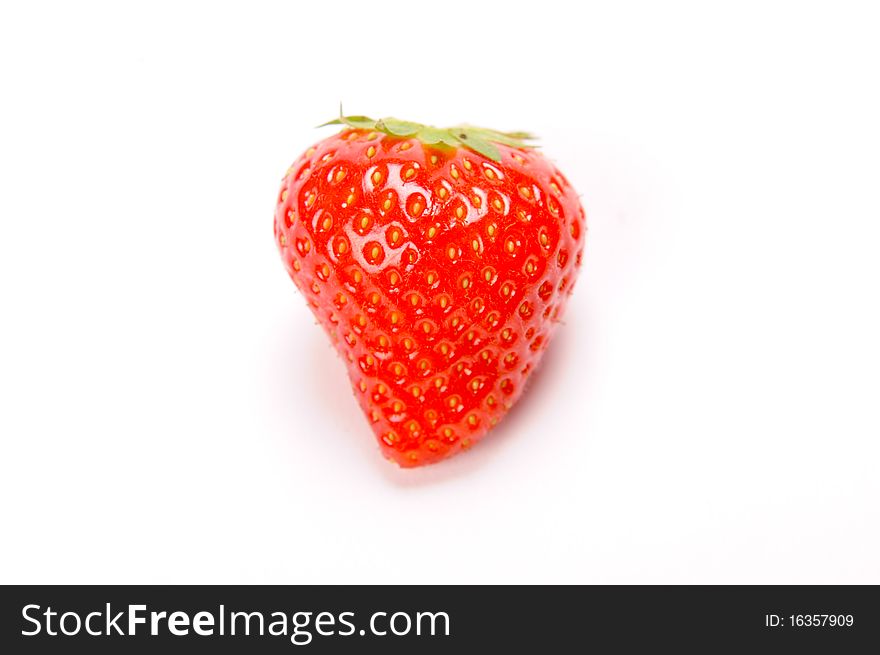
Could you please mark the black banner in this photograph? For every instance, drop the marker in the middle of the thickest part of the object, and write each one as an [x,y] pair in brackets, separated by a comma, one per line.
[344,619]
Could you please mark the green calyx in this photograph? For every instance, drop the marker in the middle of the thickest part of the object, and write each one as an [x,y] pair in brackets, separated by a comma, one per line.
[478,139]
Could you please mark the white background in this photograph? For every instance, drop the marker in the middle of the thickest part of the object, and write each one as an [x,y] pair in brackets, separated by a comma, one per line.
[709,412]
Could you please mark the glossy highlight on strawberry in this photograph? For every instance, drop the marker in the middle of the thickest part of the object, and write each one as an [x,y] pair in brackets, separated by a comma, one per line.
[439,262]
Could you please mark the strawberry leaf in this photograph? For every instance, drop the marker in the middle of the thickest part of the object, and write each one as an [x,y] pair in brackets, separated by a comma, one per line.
[478,139]
[431,135]
[479,145]
[435,136]
[397,127]
[359,122]
[518,135]
[500,137]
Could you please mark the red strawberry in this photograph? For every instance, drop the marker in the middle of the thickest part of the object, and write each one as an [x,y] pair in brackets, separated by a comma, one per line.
[439,262]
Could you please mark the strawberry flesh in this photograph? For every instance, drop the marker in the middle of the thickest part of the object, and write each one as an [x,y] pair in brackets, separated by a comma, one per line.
[439,274]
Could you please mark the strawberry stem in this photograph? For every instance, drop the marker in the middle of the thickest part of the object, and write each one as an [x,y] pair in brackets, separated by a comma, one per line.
[478,139]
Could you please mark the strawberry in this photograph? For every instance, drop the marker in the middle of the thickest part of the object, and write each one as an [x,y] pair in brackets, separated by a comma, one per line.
[439,261]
